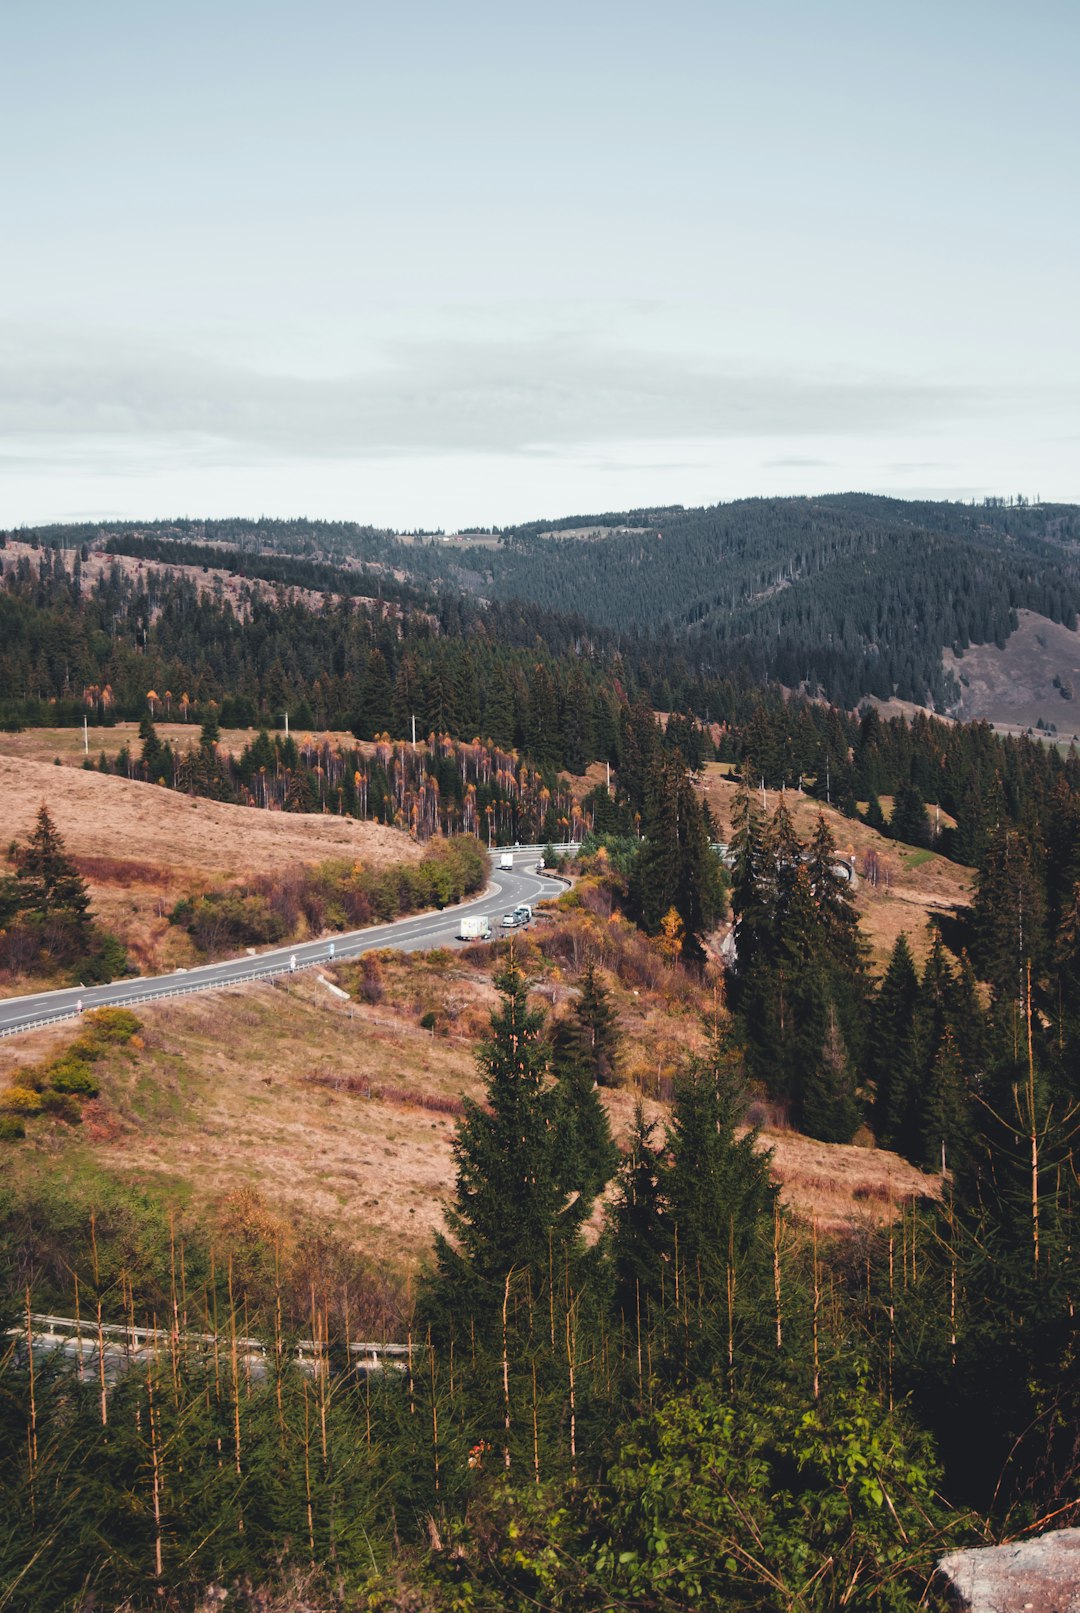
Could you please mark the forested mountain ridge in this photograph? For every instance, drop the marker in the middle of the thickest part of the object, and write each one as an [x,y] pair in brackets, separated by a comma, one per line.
[848,595]
[852,595]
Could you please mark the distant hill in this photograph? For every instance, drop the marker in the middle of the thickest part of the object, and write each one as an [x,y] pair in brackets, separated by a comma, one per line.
[847,595]
[852,595]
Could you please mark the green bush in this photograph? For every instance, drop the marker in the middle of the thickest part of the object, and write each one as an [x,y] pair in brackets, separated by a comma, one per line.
[104,960]
[70,1074]
[228,918]
[11,1129]
[112,1024]
[809,1505]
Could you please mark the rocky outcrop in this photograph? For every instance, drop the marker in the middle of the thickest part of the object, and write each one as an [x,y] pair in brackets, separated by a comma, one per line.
[1027,1576]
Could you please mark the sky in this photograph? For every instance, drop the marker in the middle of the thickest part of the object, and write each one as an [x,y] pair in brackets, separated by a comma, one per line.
[433,265]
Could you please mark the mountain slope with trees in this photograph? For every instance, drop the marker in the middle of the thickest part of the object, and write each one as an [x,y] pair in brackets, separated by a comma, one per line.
[848,595]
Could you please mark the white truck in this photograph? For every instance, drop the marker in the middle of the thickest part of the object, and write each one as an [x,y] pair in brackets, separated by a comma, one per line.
[473,928]
[506,859]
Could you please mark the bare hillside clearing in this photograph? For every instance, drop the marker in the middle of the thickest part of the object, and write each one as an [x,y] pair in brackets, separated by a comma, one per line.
[101,816]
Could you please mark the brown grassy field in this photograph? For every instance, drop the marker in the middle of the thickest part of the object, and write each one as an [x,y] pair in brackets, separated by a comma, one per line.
[101,816]
[141,847]
[912,886]
[66,744]
[341,1114]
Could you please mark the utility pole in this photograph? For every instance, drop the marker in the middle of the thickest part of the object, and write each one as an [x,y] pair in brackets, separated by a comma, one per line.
[85,737]
[414,730]
[286,725]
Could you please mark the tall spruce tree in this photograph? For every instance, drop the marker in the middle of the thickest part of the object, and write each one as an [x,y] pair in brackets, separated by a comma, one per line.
[49,884]
[909,822]
[639,1228]
[1009,912]
[828,1106]
[746,853]
[677,867]
[596,1029]
[889,1062]
[587,1155]
[718,1184]
[511,1208]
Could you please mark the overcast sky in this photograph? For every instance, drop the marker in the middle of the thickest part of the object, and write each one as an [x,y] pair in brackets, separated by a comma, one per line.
[437,264]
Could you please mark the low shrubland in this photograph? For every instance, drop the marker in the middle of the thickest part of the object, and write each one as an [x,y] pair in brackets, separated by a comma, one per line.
[334,895]
[56,1088]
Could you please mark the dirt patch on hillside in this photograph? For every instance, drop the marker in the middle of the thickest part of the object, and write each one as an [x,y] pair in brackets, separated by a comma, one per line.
[1035,678]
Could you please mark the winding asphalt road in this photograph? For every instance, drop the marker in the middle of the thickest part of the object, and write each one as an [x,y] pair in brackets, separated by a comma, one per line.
[417,933]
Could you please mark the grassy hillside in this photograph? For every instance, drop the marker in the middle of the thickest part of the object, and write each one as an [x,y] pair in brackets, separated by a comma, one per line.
[141,848]
[1030,682]
[339,1116]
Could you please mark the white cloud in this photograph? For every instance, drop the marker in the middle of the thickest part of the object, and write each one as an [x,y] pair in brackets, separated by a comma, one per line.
[75,394]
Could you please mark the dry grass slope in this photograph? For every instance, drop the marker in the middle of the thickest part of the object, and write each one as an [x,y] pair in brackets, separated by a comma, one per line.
[141,847]
[341,1115]
[101,816]
[1013,688]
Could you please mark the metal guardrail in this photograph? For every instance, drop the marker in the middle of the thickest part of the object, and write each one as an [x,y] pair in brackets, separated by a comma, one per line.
[49,1333]
[189,988]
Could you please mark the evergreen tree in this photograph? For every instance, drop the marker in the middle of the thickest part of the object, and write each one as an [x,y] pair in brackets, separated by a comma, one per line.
[597,1029]
[638,745]
[150,755]
[1009,913]
[909,822]
[376,710]
[889,1065]
[873,815]
[543,739]
[587,1155]
[834,902]
[718,1185]
[747,853]
[828,1106]
[210,732]
[50,886]
[943,1119]
[510,1209]
[638,1223]
[677,867]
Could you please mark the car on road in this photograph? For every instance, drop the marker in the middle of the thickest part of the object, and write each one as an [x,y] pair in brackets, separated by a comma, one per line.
[524,912]
[510,921]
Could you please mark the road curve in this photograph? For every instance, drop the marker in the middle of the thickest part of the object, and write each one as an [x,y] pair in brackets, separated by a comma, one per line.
[416,933]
